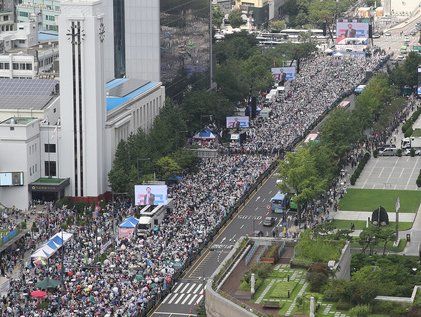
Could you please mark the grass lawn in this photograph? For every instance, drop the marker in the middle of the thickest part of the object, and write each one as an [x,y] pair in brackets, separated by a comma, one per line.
[280,290]
[369,199]
[360,224]
[416,133]
[389,247]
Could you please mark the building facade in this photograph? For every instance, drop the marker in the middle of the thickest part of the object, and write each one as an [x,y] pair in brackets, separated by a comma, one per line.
[46,11]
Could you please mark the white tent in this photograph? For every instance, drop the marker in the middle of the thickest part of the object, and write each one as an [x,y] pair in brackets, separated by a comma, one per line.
[52,245]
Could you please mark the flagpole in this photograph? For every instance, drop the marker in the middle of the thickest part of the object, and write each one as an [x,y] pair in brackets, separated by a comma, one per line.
[397,207]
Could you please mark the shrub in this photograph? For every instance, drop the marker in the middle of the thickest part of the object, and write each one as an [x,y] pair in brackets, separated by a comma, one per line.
[412,152]
[406,125]
[408,132]
[359,168]
[399,152]
[360,311]
[316,280]
[375,153]
[262,270]
[23,225]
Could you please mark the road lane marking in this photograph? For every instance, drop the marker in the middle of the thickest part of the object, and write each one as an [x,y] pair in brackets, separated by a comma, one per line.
[172,298]
[233,237]
[178,287]
[223,239]
[197,288]
[179,299]
[166,298]
[189,291]
[199,300]
[257,198]
[241,226]
[192,299]
[185,299]
[185,287]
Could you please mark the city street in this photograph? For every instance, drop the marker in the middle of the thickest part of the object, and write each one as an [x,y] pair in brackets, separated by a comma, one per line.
[250,218]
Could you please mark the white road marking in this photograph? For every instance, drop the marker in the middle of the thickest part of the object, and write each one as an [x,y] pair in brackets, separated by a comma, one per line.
[178,287]
[185,299]
[260,222]
[166,298]
[241,226]
[185,287]
[179,299]
[194,284]
[257,198]
[172,298]
[257,208]
[263,200]
[197,288]
[199,300]
[270,192]
[233,237]
[192,299]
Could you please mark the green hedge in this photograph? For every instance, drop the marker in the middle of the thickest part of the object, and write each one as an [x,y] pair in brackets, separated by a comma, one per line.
[360,168]
[407,126]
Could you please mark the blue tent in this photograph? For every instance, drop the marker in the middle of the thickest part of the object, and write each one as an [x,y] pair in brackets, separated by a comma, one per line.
[130,222]
[205,134]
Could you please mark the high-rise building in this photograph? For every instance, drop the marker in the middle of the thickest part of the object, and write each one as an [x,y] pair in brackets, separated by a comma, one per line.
[81,35]
[186,45]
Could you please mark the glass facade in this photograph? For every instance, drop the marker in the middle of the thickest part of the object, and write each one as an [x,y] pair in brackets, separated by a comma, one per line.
[185,45]
[119,39]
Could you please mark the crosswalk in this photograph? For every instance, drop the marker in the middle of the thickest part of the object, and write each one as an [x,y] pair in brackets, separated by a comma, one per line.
[185,293]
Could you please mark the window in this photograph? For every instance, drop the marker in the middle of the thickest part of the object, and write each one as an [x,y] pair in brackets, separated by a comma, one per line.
[23,14]
[28,66]
[50,168]
[22,66]
[50,148]
[6,18]
[15,66]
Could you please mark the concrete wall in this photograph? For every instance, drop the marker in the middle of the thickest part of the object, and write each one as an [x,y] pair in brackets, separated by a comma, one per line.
[218,306]
[343,267]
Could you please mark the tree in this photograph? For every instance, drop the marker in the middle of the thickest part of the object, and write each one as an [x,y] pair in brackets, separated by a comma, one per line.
[217,16]
[277,25]
[167,167]
[368,238]
[187,160]
[386,235]
[235,18]
[200,105]
[298,174]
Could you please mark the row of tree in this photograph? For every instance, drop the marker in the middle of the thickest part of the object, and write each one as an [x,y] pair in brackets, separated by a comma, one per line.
[309,171]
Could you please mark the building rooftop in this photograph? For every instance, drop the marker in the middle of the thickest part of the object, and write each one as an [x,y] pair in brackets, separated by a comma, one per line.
[19,120]
[47,37]
[33,94]
[123,90]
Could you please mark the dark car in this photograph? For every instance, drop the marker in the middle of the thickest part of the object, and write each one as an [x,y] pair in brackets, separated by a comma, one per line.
[258,233]
[269,221]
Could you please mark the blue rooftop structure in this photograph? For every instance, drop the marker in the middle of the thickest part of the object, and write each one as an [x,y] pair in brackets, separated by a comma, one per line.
[126,90]
[47,37]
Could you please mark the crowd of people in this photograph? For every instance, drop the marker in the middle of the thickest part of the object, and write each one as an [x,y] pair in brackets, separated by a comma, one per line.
[135,272]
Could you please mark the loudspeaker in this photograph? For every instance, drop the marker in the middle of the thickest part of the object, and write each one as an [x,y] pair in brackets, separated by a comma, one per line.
[370,31]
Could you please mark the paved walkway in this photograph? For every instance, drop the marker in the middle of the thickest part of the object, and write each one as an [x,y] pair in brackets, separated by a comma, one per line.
[364,215]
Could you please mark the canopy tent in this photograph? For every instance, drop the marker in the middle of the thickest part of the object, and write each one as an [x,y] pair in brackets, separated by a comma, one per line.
[205,134]
[130,222]
[52,245]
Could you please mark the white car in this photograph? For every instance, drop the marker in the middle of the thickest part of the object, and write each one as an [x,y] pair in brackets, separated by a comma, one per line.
[387,33]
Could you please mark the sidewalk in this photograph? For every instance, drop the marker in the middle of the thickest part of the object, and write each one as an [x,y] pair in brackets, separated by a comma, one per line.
[364,215]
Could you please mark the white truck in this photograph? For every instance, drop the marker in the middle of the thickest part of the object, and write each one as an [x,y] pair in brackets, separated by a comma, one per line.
[411,143]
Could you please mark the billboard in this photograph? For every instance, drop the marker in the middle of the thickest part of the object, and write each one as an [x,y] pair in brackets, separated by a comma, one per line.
[350,30]
[279,72]
[238,122]
[11,179]
[150,195]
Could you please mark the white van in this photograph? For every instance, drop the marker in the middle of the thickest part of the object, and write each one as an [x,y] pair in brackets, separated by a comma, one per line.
[390,151]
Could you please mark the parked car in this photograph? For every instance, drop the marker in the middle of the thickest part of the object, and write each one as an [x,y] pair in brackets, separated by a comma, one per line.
[408,152]
[376,35]
[269,221]
[390,151]
[387,33]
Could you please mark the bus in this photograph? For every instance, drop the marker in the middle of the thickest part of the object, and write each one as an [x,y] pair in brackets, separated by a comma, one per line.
[279,203]
[151,217]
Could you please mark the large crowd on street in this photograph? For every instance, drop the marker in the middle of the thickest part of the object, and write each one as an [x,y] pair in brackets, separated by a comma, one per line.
[135,272]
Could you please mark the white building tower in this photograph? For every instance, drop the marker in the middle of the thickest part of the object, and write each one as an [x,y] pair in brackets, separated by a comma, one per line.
[82,96]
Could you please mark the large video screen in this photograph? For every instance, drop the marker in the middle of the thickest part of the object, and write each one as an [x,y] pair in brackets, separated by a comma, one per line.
[11,179]
[150,195]
[286,73]
[350,29]
[238,122]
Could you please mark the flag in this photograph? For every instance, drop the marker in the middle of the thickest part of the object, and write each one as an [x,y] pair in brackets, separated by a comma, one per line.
[397,205]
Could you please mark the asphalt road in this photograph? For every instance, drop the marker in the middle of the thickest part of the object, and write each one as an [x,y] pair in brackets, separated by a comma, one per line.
[188,292]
